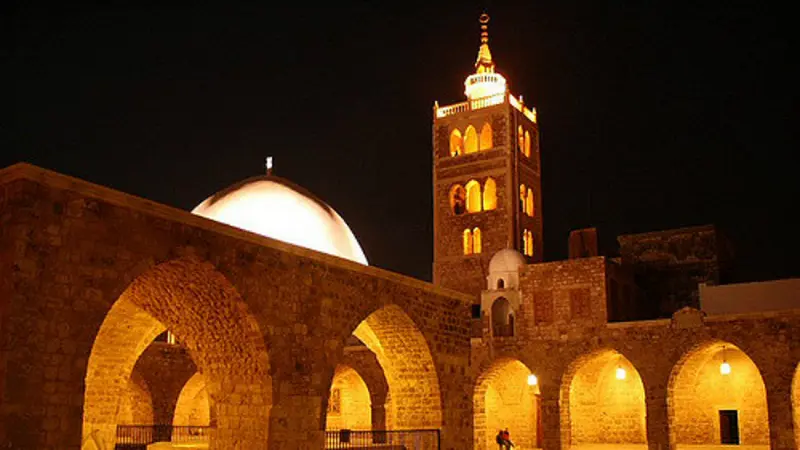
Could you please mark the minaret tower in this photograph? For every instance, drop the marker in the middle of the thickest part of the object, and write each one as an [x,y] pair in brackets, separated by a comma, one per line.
[486,178]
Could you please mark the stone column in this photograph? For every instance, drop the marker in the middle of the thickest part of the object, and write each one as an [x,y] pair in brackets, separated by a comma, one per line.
[657,418]
[551,421]
[378,417]
[295,424]
[778,382]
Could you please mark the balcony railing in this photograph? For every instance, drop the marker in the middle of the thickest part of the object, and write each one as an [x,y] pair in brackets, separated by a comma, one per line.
[384,439]
[485,102]
[139,436]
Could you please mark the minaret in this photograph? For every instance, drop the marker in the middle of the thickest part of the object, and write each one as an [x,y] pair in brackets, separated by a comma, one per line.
[486,177]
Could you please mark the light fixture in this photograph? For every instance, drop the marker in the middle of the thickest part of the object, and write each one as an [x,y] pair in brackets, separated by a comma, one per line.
[621,374]
[724,368]
[532,380]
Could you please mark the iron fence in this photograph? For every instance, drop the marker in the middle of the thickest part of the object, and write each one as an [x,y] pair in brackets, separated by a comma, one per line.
[137,436]
[383,439]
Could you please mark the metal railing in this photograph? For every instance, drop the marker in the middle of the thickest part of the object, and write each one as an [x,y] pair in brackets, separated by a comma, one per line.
[136,436]
[384,439]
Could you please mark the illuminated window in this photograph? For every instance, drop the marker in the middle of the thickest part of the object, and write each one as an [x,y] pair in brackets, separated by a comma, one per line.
[476,240]
[530,244]
[473,196]
[522,193]
[486,137]
[529,203]
[527,144]
[489,195]
[525,242]
[458,199]
[467,242]
[456,143]
[470,140]
[520,140]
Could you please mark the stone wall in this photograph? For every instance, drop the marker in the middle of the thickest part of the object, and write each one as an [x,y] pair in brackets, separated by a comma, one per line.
[95,275]
[166,368]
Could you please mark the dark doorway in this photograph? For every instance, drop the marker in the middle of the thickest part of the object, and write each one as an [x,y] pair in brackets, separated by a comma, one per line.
[729,426]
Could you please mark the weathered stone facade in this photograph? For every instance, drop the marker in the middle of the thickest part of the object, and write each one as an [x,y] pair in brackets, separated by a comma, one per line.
[89,276]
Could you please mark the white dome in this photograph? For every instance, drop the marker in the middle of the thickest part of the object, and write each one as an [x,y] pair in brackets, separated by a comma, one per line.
[273,207]
[506,260]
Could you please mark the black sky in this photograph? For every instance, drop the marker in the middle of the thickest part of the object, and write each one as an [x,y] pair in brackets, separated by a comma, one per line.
[653,114]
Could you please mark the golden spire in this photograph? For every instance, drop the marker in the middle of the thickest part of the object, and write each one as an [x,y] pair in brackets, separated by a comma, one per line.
[484,62]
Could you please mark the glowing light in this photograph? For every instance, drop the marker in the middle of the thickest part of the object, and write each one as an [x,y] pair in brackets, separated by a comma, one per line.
[532,380]
[725,368]
[269,163]
[621,374]
[273,208]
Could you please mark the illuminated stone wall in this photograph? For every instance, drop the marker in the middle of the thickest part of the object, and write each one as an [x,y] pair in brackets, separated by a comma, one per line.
[192,406]
[349,405]
[166,368]
[98,274]
[700,391]
[136,405]
[504,400]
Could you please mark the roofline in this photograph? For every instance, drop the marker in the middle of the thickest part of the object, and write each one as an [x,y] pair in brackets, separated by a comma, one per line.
[40,175]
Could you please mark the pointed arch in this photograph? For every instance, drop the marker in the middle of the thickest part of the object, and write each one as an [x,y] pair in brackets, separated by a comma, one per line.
[527,144]
[698,390]
[470,140]
[503,398]
[474,198]
[522,193]
[520,140]
[458,199]
[467,244]
[477,244]
[173,294]
[456,143]
[529,203]
[486,137]
[603,384]
[501,317]
[489,194]
[349,404]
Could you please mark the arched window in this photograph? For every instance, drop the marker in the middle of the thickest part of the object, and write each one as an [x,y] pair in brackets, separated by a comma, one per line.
[473,196]
[527,144]
[529,244]
[529,203]
[525,242]
[476,240]
[470,140]
[486,137]
[458,199]
[522,193]
[520,140]
[489,195]
[467,242]
[456,143]
[501,283]
[501,315]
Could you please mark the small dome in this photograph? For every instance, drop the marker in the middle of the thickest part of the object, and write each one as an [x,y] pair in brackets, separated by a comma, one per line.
[506,260]
[276,208]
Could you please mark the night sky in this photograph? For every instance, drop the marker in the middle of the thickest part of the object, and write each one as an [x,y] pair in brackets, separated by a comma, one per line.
[653,115]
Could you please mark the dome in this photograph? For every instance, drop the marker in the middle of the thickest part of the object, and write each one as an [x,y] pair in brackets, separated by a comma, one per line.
[506,260]
[276,208]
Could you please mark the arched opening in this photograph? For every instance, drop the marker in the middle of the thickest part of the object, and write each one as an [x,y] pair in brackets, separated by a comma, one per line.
[136,402]
[456,143]
[603,395]
[470,140]
[522,192]
[502,321]
[474,199]
[529,203]
[477,244]
[507,396]
[525,234]
[527,144]
[192,407]
[520,140]
[501,283]
[403,353]
[349,405]
[528,243]
[458,199]
[486,137]
[467,242]
[227,346]
[716,395]
[489,194]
